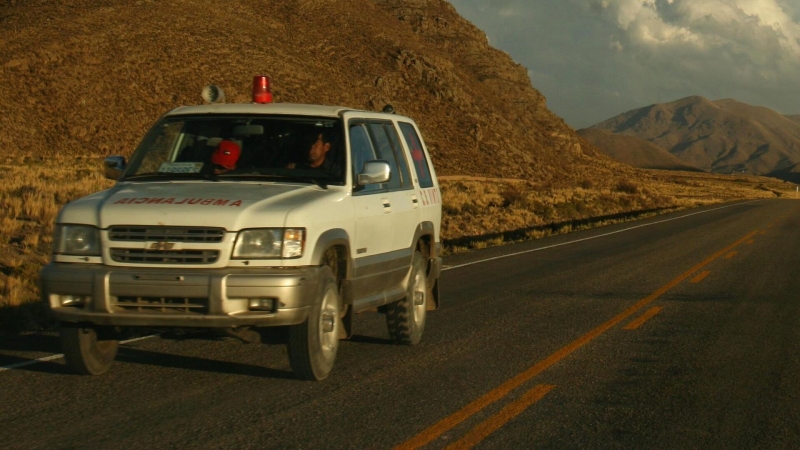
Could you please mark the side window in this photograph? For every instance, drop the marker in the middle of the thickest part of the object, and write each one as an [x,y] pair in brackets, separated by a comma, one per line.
[386,153]
[402,162]
[417,155]
[362,151]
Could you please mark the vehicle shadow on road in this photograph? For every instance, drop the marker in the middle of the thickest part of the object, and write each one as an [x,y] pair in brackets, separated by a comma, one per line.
[56,367]
[370,340]
[20,349]
[13,352]
[49,343]
[150,358]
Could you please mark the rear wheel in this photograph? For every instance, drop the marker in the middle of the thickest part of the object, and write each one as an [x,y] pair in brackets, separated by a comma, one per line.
[84,352]
[313,344]
[406,318]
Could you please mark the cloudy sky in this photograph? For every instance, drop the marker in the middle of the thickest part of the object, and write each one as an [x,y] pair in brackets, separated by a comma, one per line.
[594,59]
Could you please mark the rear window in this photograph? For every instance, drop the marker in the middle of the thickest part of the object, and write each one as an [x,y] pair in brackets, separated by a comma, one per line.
[417,155]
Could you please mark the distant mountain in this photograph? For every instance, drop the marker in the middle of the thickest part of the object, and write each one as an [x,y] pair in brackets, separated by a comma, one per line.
[634,151]
[720,136]
[791,173]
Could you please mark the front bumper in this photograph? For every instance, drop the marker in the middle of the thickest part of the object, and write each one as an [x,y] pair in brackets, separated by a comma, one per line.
[208,298]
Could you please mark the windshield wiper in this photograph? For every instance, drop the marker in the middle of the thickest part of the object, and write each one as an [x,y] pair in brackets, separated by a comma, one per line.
[261,176]
[166,176]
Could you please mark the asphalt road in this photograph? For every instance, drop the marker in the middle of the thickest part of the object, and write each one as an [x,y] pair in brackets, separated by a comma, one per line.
[679,331]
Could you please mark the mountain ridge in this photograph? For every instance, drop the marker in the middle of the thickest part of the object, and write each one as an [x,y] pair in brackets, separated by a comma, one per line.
[721,136]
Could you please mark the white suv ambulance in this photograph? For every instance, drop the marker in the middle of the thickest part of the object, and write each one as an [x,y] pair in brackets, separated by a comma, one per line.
[242,216]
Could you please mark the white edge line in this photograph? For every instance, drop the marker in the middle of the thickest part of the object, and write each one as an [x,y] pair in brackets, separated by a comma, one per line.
[589,238]
[61,355]
[52,357]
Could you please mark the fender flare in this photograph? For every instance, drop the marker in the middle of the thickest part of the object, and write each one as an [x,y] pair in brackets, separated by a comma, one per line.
[330,238]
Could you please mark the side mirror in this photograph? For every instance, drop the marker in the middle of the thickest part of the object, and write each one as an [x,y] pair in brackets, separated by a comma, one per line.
[374,172]
[113,167]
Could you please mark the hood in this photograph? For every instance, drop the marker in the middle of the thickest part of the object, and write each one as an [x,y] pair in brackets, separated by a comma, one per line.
[229,205]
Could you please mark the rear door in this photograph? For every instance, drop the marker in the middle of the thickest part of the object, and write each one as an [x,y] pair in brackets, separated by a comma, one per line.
[424,177]
[400,190]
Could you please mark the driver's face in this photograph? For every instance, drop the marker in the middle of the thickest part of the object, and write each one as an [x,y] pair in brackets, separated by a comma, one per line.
[316,155]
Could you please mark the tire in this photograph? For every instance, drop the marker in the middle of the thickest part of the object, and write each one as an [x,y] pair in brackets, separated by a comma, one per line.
[406,318]
[312,345]
[84,352]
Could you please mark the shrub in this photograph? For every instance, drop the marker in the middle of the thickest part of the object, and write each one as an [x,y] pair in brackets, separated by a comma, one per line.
[511,195]
[567,210]
[627,187]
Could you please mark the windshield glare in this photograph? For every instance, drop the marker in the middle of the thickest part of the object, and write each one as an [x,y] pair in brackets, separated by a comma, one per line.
[296,148]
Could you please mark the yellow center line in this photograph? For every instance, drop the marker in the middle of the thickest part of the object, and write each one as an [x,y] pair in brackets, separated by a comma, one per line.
[451,421]
[643,318]
[700,276]
[493,423]
[731,255]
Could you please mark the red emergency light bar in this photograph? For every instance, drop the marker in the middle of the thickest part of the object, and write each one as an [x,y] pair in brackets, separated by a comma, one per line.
[262,92]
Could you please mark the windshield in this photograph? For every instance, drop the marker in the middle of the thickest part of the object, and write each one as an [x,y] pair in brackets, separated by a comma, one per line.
[305,149]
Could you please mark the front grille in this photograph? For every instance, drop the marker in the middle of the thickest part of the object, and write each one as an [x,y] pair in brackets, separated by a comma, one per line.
[161,305]
[168,234]
[140,256]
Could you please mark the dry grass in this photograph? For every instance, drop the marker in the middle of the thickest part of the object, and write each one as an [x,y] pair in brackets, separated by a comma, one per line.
[12,289]
[474,208]
[478,213]
[31,192]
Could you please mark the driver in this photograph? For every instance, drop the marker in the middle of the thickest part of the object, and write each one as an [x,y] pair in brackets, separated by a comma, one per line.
[318,157]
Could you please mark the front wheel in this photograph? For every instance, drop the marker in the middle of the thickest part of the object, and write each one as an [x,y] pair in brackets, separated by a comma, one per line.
[84,352]
[313,344]
[406,318]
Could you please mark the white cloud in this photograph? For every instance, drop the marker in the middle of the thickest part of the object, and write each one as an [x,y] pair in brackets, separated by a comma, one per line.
[642,23]
[581,52]
[748,24]
[753,41]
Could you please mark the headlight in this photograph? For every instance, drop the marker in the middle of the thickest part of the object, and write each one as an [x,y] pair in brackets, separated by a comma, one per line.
[81,240]
[268,243]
